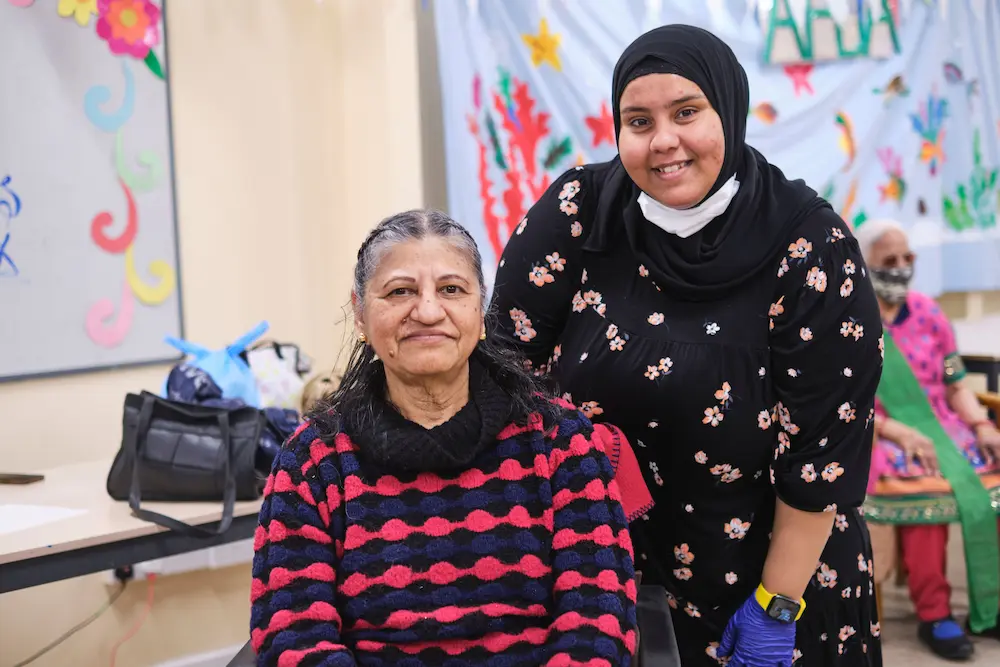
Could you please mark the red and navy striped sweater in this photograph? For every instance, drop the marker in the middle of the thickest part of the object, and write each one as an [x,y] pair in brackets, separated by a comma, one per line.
[522,559]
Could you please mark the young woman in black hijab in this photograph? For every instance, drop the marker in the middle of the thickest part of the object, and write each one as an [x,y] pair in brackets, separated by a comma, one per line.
[722,316]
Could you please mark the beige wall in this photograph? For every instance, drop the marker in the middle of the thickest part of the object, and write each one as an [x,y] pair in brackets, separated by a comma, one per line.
[295,132]
[972,306]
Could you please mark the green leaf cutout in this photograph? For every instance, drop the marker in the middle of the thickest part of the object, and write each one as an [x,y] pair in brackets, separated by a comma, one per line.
[153,63]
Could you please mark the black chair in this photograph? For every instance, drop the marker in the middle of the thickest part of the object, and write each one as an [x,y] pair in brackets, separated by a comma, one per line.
[988,366]
[245,658]
[657,642]
[657,645]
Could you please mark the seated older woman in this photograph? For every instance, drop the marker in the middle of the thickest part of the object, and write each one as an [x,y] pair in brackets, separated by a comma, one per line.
[437,510]
[938,455]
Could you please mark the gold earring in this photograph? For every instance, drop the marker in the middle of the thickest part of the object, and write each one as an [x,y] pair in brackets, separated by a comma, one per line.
[482,336]
[362,339]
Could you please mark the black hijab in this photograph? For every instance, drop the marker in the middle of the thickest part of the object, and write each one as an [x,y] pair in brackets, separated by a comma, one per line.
[745,239]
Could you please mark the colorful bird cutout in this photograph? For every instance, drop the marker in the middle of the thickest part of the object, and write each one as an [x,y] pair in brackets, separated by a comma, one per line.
[602,127]
[799,74]
[895,88]
[544,46]
[846,141]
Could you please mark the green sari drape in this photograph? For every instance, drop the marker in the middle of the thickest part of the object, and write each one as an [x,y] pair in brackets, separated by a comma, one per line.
[905,400]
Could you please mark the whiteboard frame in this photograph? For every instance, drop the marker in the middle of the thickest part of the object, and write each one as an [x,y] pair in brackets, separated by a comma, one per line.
[157,361]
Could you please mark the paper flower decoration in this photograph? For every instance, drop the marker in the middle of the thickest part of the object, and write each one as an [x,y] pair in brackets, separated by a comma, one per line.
[130,27]
[81,10]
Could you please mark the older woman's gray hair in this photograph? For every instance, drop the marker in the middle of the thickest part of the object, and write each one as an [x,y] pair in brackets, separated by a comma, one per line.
[364,378]
[891,283]
[872,231]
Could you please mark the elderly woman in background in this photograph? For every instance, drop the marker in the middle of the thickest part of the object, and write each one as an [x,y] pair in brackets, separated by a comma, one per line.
[438,509]
[937,455]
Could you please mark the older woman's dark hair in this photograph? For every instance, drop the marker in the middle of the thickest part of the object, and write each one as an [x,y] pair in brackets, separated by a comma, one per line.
[363,383]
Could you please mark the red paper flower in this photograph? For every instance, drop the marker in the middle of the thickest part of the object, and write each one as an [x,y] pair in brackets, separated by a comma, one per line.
[129,27]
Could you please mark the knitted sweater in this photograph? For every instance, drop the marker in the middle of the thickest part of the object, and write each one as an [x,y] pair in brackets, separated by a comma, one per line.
[521,558]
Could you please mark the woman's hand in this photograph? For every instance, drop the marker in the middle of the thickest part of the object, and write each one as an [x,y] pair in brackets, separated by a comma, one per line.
[918,447]
[988,439]
[754,639]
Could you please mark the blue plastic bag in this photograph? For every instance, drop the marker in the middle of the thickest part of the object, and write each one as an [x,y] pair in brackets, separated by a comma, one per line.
[225,366]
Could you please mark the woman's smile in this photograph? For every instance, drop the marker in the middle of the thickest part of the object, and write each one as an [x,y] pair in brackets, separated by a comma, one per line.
[672,171]
[427,337]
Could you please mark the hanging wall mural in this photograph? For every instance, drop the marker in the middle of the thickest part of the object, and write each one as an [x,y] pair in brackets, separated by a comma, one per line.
[888,108]
[805,31]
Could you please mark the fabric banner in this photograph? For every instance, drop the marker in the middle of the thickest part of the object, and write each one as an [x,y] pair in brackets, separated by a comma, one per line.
[888,108]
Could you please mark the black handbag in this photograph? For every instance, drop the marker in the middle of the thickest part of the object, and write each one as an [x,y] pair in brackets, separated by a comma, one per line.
[173,451]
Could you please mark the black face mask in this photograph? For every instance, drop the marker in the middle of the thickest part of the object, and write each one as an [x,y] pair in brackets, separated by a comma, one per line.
[892,285]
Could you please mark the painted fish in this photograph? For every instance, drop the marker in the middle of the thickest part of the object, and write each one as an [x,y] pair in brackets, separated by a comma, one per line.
[852,195]
[932,152]
[895,88]
[894,190]
[765,113]
[846,141]
[953,74]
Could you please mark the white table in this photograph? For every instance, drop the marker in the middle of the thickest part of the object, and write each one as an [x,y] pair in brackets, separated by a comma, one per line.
[105,535]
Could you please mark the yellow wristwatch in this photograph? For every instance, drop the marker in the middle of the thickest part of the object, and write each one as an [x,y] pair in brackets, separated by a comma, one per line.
[778,607]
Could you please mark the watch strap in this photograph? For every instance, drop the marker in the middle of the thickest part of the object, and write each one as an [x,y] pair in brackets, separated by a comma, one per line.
[764,599]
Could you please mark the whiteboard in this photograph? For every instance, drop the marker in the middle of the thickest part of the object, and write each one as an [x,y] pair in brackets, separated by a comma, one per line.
[88,238]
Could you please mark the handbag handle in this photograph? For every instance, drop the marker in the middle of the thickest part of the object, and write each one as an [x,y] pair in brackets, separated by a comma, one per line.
[135,492]
[189,410]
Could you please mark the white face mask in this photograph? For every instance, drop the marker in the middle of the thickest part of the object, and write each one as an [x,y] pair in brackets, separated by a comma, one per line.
[685,222]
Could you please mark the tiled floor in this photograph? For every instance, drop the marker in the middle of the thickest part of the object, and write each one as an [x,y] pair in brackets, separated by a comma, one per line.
[899,626]
[900,647]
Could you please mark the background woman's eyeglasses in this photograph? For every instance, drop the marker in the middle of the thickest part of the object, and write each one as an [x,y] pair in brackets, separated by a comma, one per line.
[898,261]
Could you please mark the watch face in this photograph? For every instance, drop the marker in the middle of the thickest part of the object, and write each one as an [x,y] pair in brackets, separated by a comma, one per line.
[783,610]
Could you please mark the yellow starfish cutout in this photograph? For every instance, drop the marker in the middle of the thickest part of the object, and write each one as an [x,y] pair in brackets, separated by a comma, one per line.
[543,46]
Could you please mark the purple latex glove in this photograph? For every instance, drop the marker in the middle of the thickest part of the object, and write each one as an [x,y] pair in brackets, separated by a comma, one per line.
[754,639]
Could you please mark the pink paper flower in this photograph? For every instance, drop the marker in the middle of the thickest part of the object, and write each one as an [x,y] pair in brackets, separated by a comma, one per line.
[130,27]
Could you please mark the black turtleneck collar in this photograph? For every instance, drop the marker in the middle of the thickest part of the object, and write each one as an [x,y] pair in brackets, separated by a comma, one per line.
[395,442]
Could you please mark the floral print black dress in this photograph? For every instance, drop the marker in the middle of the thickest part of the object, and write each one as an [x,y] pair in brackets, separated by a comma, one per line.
[769,390]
